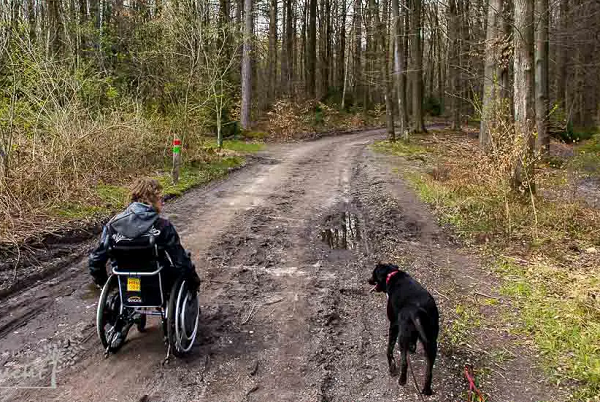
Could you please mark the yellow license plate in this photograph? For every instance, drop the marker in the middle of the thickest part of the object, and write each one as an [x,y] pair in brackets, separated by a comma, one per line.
[133,284]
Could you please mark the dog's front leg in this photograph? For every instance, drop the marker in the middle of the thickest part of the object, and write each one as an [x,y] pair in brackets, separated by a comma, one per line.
[393,336]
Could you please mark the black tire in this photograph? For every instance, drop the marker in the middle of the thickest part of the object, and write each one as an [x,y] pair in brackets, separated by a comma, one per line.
[108,312]
[141,323]
[180,293]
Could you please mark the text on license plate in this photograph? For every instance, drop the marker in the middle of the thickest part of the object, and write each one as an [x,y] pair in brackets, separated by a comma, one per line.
[133,284]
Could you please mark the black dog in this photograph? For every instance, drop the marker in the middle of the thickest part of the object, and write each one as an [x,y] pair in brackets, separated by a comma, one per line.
[413,316]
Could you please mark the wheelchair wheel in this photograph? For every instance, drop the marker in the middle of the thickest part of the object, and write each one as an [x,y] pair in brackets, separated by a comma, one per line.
[183,314]
[108,320]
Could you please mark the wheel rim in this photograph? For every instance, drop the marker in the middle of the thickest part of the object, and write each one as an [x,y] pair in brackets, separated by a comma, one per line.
[105,314]
[182,340]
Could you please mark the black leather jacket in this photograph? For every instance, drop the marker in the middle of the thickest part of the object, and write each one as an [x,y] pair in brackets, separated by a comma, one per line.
[136,221]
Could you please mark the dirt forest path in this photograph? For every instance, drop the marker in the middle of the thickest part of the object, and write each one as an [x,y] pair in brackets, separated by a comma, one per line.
[284,248]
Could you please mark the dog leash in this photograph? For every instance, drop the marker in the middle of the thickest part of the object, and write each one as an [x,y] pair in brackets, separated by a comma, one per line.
[473,390]
[414,378]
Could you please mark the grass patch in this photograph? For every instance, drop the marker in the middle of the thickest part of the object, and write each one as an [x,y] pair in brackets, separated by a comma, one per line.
[566,330]
[463,320]
[106,199]
[401,148]
[192,176]
[112,196]
[75,211]
[243,146]
[556,283]
[587,157]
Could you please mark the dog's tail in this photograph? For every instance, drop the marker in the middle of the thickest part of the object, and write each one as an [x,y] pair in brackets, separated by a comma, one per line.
[416,319]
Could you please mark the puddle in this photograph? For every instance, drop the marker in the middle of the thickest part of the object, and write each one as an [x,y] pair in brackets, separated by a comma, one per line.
[345,234]
[91,292]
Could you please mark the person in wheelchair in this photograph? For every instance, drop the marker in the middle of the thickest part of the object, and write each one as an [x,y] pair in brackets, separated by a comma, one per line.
[135,226]
[152,274]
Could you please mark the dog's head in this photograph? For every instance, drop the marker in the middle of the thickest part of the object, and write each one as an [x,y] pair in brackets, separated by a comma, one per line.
[380,275]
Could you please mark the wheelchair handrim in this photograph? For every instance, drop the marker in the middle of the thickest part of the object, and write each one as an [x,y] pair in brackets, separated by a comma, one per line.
[178,323]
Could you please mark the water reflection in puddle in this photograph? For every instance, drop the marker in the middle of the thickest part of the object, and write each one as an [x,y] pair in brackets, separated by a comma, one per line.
[345,233]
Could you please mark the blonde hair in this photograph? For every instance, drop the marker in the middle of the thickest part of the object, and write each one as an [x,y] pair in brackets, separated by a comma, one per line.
[147,191]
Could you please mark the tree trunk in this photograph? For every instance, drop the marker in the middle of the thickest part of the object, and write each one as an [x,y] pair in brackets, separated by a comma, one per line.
[417,66]
[284,54]
[341,53]
[491,84]
[272,55]
[31,16]
[385,68]
[289,48]
[541,78]
[453,61]
[357,23]
[561,58]
[247,66]
[54,23]
[400,65]
[324,48]
[524,93]
[312,49]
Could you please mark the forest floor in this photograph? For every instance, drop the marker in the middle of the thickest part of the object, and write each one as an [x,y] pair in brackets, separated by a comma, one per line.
[286,316]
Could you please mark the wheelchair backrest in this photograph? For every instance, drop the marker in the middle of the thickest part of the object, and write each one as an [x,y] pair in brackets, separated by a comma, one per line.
[138,269]
[135,255]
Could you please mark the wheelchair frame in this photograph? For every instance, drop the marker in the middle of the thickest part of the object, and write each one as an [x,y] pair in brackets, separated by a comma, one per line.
[176,333]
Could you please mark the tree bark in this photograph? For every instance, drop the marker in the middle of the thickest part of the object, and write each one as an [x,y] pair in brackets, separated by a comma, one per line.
[284,54]
[341,53]
[289,47]
[417,66]
[32,21]
[400,66]
[561,58]
[357,22]
[453,61]
[54,24]
[385,69]
[541,78]
[247,66]
[491,83]
[312,48]
[524,100]
[272,55]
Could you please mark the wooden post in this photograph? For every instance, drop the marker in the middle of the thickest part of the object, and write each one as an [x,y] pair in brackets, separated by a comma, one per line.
[176,159]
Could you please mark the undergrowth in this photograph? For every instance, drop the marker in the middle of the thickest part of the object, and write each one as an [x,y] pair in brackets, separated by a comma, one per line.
[546,249]
[291,121]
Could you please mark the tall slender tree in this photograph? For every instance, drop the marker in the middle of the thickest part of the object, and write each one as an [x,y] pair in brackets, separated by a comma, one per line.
[542,107]
[357,64]
[491,78]
[385,67]
[524,100]
[272,55]
[400,65]
[247,66]
[416,56]
[311,57]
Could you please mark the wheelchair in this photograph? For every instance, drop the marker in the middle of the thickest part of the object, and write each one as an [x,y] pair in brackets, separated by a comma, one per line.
[138,288]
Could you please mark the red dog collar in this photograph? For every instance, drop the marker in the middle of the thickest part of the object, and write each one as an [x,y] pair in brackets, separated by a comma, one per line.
[390,275]
[387,281]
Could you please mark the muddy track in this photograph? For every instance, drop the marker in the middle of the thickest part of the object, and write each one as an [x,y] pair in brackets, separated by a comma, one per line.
[284,248]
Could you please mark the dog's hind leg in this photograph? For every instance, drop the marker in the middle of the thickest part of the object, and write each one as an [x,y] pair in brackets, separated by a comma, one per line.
[403,364]
[393,336]
[431,352]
